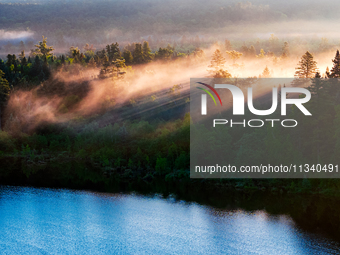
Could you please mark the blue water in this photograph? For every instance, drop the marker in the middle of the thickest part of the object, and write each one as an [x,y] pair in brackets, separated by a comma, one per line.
[50,221]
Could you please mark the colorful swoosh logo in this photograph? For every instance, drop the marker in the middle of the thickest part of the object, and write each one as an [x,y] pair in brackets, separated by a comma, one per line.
[212,89]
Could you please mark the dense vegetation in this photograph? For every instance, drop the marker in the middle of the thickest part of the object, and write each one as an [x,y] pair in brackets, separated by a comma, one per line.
[143,149]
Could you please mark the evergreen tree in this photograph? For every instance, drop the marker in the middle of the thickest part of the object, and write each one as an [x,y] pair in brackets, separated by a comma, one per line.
[45,69]
[42,50]
[316,85]
[222,74]
[22,55]
[335,72]
[9,60]
[115,51]
[164,54]
[262,54]
[119,64]
[217,62]
[234,55]
[138,56]
[147,52]
[128,57]
[266,73]
[23,61]
[106,63]
[109,53]
[285,50]
[307,66]
[36,67]
[4,91]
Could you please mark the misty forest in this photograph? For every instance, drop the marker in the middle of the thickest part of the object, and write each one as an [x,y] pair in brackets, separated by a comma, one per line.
[96,94]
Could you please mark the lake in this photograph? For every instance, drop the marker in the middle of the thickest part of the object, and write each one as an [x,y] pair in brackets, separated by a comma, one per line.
[61,221]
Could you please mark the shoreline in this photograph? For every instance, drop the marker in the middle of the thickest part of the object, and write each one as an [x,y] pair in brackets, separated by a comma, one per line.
[311,210]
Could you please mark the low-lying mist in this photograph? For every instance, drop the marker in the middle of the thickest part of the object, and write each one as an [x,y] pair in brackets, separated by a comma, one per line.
[69,97]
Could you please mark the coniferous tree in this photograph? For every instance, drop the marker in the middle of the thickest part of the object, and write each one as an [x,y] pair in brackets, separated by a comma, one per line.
[316,85]
[234,55]
[222,74]
[23,61]
[335,72]
[42,49]
[9,60]
[164,54]
[262,54]
[22,55]
[4,91]
[138,57]
[45,69]
[266,73]
[128,57]
[307,66]
[285,50]
[109,53]
[36,67]
[217,62]
[147,52]
[115,51]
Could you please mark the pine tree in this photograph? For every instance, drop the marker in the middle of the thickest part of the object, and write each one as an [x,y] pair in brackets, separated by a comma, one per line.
[335,72]
[262,54]
[46,69]
[147,52]
[222,74]
[36,67]
[234,55]
[138,57]
[285,50]
[114,52]
[164,54]
[108,50]
[307,66]
[9,60]
[119,64]
[316,85]
[23,61]
[217,62]
[4,91]
[42,50]
[128,57]
[22,55]
[266,73]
